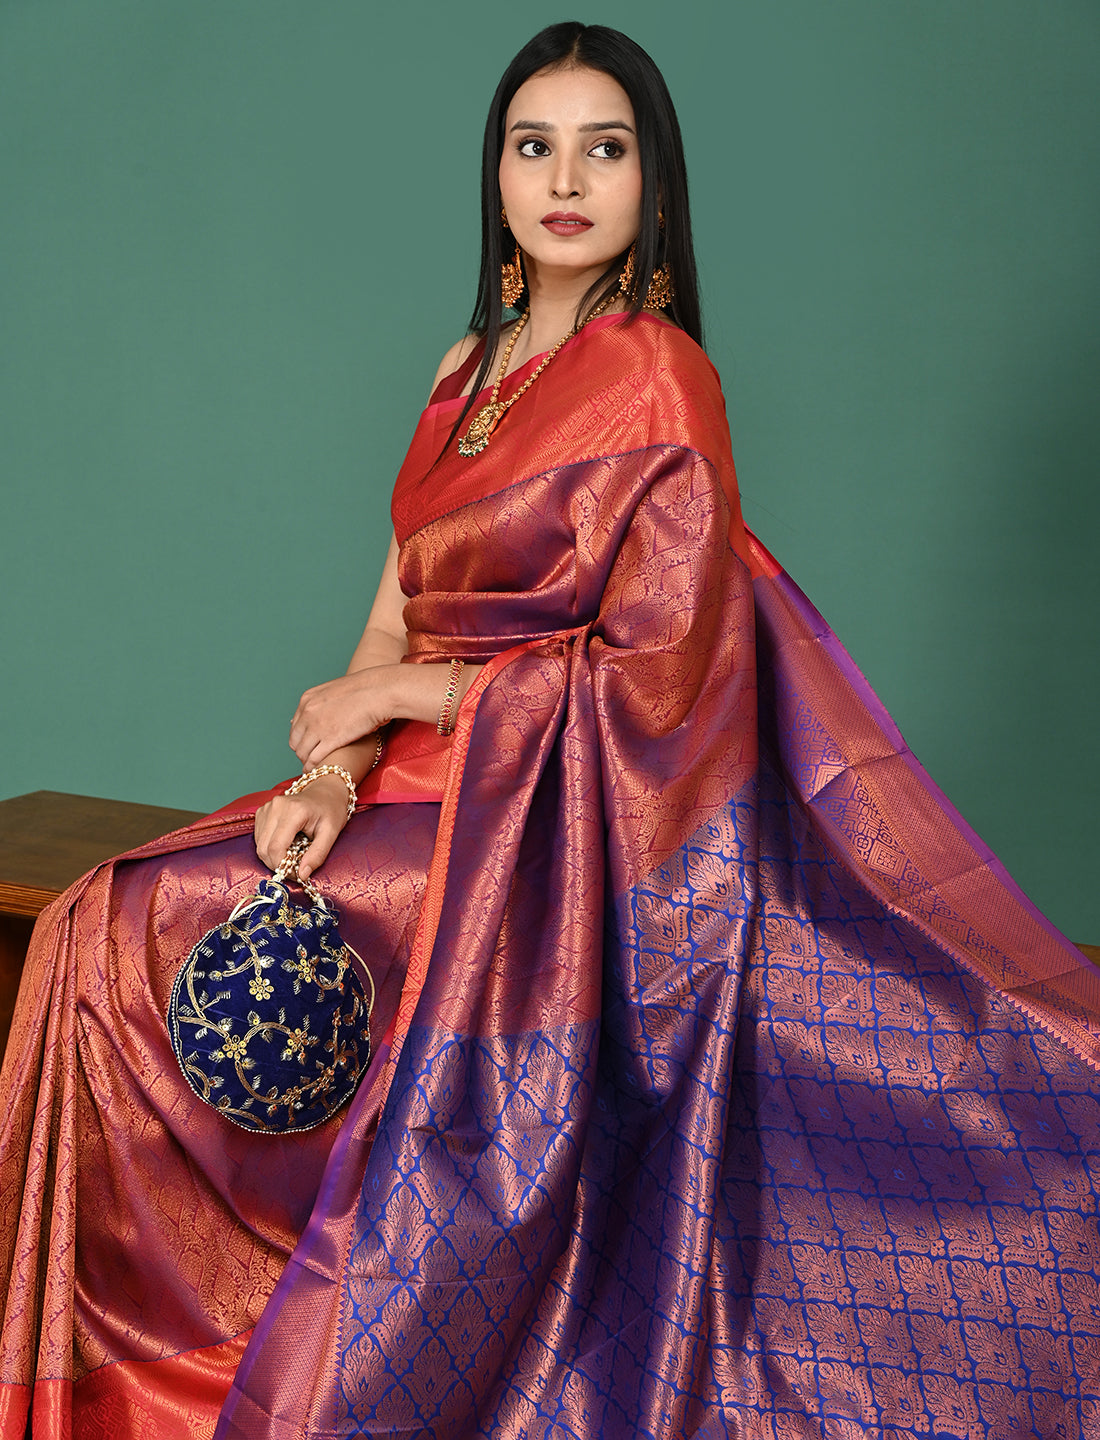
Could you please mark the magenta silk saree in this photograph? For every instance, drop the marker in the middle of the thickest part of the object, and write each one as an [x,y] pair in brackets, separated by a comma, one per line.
[725,1083]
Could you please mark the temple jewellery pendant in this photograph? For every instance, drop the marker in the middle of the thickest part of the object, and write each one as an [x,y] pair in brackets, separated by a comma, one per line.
[481,427]
[488,417]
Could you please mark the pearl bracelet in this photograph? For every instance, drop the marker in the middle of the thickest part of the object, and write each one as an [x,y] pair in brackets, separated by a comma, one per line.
[316,773]
[345,775]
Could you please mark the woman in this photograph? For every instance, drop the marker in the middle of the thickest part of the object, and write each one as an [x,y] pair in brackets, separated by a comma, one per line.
[725,1084]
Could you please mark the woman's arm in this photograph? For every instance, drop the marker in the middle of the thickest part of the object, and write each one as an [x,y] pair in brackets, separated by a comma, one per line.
[377,687]
[320,811]
[336,724]
[383,641]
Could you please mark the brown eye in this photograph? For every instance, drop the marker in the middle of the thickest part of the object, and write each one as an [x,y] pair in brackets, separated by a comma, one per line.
[534,149]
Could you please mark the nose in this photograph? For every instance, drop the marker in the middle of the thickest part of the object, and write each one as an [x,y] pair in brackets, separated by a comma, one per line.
[566,180]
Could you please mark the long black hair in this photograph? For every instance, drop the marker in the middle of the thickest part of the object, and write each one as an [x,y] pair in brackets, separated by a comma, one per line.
[664,183]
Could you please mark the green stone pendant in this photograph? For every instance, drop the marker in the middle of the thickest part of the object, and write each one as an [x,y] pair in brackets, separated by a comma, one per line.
[481,427]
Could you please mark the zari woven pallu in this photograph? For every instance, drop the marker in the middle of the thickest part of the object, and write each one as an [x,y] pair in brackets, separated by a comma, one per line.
[725,1085]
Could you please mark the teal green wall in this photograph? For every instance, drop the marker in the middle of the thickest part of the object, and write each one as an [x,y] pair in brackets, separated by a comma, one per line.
[237,237]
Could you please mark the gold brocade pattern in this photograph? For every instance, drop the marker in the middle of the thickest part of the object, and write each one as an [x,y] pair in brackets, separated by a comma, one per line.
[655,387]
[735,1090]
[122,1160]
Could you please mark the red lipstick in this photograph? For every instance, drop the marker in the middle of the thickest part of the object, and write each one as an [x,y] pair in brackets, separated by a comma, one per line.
[566,222]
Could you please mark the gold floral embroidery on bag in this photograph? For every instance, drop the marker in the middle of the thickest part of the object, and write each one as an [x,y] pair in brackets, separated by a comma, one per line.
[269,1015]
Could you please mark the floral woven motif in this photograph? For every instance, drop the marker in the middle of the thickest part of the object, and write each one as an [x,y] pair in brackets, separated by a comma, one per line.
[269,1015]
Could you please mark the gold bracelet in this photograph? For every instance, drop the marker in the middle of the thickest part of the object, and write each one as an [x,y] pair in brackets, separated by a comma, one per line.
[446,722]
[345,775]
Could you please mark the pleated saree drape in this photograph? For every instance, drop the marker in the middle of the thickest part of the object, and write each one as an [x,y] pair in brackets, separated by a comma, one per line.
[726,1085]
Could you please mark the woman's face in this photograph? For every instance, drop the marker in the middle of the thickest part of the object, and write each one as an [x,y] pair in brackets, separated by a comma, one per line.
[570,172]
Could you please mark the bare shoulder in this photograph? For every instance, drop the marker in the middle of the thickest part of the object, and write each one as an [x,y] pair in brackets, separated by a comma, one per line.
[454,357]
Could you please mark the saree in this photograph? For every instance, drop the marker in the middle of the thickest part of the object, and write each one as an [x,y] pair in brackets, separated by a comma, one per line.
[725,1084]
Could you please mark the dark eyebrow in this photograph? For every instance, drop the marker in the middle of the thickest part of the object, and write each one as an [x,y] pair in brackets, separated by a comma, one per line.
[547,128]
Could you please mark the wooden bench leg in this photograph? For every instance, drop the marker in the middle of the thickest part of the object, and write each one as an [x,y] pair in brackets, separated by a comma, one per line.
[15,936]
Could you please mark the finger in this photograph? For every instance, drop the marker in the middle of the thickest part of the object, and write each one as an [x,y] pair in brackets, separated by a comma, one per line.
[272,847]
[319,848]
[304,736]
[321,743]
[312,749]
[296,824]
[303,722]
[261,833]
[323,748]
[285,817]
[298,734]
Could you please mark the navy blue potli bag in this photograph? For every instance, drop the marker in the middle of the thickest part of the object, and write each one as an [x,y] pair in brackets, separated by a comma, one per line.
[269,1014]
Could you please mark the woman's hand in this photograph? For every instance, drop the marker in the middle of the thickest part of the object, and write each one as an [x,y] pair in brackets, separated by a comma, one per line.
[339,712]
[320,810]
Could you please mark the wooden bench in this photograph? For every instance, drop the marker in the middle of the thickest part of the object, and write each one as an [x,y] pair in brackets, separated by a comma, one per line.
[48,840]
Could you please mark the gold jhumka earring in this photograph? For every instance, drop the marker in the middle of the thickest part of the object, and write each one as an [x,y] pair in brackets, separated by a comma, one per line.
[512,281]
[659,292]
[511,275]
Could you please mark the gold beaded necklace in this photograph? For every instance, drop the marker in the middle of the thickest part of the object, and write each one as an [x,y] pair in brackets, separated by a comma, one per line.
[489,416]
